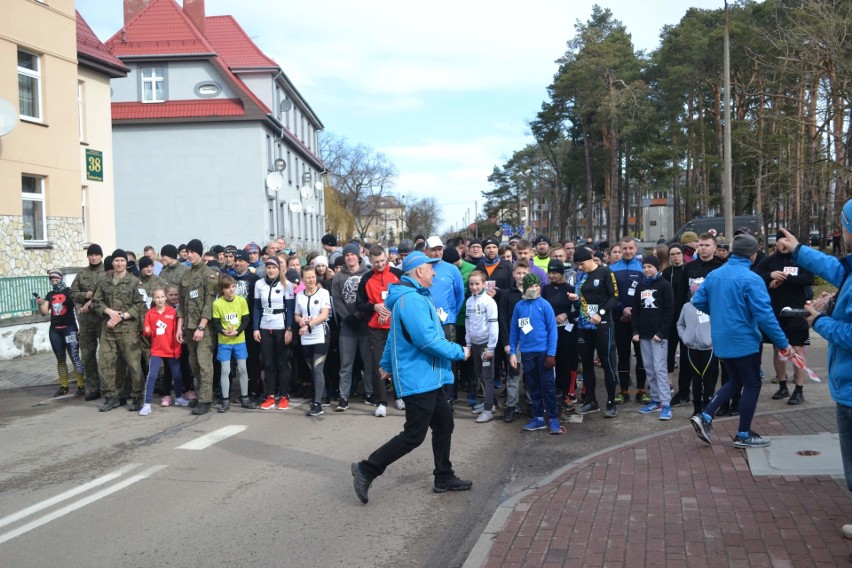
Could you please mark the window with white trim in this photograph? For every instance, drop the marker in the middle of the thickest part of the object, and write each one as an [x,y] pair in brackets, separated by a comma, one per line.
[29,85]
[32,195]
[153,84]
[81,119]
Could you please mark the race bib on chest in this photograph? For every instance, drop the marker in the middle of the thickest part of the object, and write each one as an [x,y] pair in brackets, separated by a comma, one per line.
[593,309]
[791,270]
[703,318]
[632,290]
[232,319]
[442,315]
[267,311]
[525,325]
[161,328]
[193,294]
[384,294]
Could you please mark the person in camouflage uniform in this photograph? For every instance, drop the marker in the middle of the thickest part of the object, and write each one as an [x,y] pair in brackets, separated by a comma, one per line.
[90,324]
[173,270]
[198,288]
[119,303]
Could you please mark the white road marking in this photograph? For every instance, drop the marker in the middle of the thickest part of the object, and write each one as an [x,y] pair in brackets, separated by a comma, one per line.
[79,504]
[14,517]
[208,440]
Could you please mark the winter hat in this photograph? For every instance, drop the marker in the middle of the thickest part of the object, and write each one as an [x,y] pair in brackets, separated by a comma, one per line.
[405,246]
[273,260]
[688,237]
[582,254]
[195,246]
[474,242]
[252,247]
[169,251]
[241,255]
[531,280]
[652,260]
[55,273]
[451,255]
[320,260]
[677,246]
[352,248]
[744,245]
[214,264]
[217,249]
[339,262]
[490,241]
[540,239]
[293,276]
[555,265]
[119,253]
[94,249]
[846,216]
[145,261]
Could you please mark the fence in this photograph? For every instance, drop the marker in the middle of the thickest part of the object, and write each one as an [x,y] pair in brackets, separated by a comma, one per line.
[16,294]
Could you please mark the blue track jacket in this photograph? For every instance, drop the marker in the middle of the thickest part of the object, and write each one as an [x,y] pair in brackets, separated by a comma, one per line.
[542,339]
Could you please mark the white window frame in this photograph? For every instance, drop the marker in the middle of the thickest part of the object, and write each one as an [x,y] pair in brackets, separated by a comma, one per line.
[36,198]
[81,116]
[36,75]
[153,80]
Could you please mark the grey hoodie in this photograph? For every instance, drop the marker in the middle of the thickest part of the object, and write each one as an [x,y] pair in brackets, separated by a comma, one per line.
[694,328]
[344,293]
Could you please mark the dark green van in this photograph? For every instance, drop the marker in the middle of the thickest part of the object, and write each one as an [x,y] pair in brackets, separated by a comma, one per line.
[708,224]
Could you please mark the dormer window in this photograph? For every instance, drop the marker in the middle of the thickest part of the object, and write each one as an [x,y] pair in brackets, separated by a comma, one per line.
[153,84]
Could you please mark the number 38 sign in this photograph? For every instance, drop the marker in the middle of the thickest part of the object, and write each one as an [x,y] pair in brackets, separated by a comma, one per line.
[94,165]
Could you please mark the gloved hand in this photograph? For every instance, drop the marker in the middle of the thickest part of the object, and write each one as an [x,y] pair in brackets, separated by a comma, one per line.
[549,362]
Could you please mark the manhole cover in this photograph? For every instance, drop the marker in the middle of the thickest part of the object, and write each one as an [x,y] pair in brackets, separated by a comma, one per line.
[807,453]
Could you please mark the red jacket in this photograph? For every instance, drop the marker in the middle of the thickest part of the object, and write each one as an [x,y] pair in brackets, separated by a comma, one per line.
[162,329]
[372,290]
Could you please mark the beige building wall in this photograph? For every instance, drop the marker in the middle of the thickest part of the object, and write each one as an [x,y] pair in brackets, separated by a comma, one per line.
[98,196]
[47,148]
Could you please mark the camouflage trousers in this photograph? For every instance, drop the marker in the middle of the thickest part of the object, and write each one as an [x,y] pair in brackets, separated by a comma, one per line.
[120,359]
[88,337]
[201,362]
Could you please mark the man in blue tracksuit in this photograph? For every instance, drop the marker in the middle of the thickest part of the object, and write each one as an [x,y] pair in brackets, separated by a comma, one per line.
[419,358]
[628,275]
[835,327]
[532,331]
[739,307]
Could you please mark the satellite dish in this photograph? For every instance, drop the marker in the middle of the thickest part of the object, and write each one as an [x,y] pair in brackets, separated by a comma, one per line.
[306,192]
[295,206]
[8,117]
[285,105]
[274,181]
[318,186]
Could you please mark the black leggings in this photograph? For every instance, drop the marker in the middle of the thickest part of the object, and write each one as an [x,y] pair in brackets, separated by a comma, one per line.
[65,339]
[600,340]
[566,358]
[276,371]
[703,367]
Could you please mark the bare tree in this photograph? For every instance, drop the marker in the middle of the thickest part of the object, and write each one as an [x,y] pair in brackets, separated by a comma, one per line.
[420,216]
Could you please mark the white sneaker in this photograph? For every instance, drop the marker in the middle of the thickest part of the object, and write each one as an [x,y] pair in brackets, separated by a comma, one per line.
[485,416]
[180,401]
[847,531]
[381,411]
[400,404]
[145,410]
[479,408]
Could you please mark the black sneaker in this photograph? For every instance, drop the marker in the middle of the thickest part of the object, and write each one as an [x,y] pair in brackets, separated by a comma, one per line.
[342,405]
[226,405]
[247,402]
[316,409]
[61,391]
[680,399]
[452,484]
[94,395]
[782,392]
[109,403]
[201,408]
[135,405]
[588,408]
[702,428]
[796,398]
[325,402]
[369,401]
[361,482]
[753,440]
[509,414]
[81,391]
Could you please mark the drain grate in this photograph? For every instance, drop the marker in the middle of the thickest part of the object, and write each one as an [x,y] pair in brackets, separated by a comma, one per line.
[808,453]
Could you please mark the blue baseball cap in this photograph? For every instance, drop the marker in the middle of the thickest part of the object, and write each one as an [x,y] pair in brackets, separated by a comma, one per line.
[416,259]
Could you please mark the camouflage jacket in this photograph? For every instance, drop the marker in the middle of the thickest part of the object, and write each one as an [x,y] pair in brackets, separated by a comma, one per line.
[198,288]
[121,295]
[87,280]
[174,273]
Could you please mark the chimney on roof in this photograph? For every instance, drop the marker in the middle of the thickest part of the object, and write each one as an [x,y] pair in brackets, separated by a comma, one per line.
[195,10]
[133,7]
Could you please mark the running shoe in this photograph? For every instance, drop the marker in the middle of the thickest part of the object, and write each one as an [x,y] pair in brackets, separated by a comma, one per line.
[166,401]
[666,413]
[753,440]
[268,403]
[283,403]
[702,427]
[652,406]
[535,424]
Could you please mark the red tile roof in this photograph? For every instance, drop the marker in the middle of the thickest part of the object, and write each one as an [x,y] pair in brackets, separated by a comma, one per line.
[160,29]
[234,45]
[178,109]
[91,48]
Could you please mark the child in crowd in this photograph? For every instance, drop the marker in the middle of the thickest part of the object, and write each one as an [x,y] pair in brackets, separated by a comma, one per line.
[651,320]
[481,333]
[160,326]
[700,362]
[230,320]
[313,305]
[532,331]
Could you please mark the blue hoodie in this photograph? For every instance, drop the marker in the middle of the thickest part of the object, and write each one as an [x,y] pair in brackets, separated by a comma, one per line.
[739,306]
[542,319]
[837,328]
[447,290]
[628,276]
[420,357]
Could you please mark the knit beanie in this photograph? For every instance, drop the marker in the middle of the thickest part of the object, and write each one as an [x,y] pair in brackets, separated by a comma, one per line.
[94,249]
[688,237]
[144,262]
[652,260]
[195,246]
[531,280]
[744,245]
[169,251]
[352,248]
[119,253]
[582,254]
[451,255]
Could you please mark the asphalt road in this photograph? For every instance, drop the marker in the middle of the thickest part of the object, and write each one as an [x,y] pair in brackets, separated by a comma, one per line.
[83,488]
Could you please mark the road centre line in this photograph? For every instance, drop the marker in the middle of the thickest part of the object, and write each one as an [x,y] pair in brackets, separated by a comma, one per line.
[208,440]
[81,503]
[14,517]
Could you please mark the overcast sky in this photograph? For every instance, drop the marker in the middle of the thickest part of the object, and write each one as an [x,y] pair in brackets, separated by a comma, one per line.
[444,89]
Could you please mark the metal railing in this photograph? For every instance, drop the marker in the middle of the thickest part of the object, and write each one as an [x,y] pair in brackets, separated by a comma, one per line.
[16,294]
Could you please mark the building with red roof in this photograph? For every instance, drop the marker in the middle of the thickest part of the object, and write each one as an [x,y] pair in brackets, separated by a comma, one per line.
[199,123]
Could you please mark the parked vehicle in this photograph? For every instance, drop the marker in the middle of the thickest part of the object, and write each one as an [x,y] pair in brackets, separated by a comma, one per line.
[709,224]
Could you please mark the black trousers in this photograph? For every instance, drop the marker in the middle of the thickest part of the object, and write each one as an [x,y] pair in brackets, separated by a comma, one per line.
[422,411]
[276,375]
[623,345]
[598,340]
[703,367]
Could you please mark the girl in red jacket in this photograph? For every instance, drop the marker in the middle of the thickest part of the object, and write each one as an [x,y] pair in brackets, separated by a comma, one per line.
[161,326]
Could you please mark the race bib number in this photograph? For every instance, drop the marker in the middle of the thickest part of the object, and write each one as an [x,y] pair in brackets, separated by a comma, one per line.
[490,285]
[703,318]
[193,294]
[384,294]
[70,339]
[232,319]
[791,270]
[442,315]
[524,324]
[569,327]
[161,328]
[593,309]
[267,311]
[632,290]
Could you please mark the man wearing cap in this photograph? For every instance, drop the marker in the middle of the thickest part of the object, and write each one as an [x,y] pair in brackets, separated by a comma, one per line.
[353,339]
[542,254]
[689,240]
[329,245]
[121,307]
[173,269]
[406,247]
[183,256]
[198,289]
[832,319]
[739,307]
[90,324]
[255,264]
[418,358]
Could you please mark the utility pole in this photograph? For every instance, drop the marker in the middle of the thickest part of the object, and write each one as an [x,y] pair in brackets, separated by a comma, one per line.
[727,190]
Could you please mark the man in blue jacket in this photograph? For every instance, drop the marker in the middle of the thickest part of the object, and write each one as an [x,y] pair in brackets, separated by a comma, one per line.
[419,359]
[835,327]
[739,307]
[628,275]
